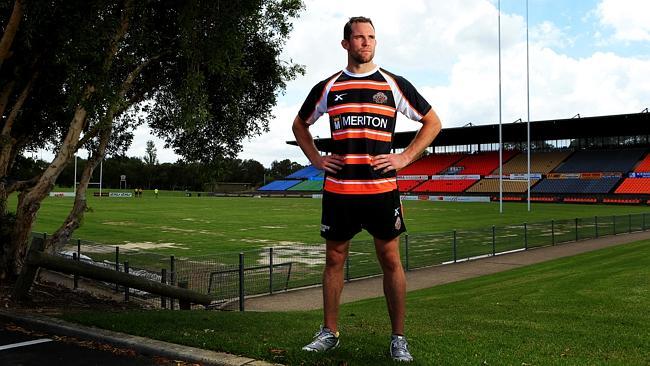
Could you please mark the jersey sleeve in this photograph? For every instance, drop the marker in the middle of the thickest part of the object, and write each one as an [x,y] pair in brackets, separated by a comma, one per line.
[310,111]
[407,99]
[316,103]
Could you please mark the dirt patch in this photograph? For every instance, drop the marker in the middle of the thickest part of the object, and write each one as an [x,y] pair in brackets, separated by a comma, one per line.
[307,254]
[145,245]
[128,247]
[119,223]
[171,229]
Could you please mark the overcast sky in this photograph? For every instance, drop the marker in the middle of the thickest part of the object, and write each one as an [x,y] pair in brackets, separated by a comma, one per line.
[590,57]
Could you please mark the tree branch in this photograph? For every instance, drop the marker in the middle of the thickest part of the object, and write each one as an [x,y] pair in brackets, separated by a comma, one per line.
[11,119]
[4,95]
[21,185]
[117,37]
[10,31]
[118,110]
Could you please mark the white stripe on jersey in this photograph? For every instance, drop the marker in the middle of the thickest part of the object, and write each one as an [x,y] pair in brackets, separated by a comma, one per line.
[401,103]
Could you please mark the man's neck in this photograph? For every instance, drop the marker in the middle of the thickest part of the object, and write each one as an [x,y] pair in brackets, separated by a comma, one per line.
[356,68]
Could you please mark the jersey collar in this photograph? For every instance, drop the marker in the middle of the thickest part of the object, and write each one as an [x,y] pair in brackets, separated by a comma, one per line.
[345,70]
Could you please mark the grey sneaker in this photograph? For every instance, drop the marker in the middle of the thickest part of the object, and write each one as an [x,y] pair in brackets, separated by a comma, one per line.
[399,349]
[324,340]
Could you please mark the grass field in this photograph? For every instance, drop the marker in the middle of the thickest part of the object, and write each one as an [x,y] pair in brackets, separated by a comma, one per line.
[192,226]
[206,235]
[590,309]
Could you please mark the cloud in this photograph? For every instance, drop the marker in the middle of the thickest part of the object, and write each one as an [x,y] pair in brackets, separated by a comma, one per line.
[272,145]
[449,51]
[138,147]
[548,34]
[629,18]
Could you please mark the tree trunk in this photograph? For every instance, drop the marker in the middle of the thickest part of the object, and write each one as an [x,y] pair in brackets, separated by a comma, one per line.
[10,31]
[7,142]
[8,149]
[73,221]
[29,201]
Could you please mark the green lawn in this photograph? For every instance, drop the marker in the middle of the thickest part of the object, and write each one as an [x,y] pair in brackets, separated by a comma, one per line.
[591,309]
[209,225]
[206,235]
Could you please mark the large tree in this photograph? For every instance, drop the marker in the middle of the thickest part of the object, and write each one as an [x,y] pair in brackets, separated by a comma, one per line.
[281,169]
[205,73]
[151,154]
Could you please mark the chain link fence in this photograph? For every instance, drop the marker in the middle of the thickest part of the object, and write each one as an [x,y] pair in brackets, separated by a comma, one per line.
[230,277]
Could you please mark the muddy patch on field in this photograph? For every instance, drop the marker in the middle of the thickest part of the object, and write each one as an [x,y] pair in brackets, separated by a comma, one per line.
[171,229]
[130,247]
[119,223]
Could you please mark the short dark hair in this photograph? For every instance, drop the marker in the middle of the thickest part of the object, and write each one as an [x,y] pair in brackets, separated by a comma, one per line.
[347,29]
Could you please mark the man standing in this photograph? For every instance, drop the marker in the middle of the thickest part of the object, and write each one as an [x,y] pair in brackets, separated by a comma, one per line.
[360,189]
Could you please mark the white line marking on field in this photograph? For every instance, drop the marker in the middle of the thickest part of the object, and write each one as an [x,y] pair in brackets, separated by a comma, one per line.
[23,344]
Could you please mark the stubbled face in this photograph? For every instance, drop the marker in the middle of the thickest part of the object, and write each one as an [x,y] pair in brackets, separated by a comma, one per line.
[361,45]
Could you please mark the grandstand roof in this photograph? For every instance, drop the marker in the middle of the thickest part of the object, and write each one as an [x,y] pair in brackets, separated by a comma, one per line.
[635,124]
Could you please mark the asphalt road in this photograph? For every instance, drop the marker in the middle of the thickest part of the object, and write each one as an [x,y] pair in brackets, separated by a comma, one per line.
[20,346]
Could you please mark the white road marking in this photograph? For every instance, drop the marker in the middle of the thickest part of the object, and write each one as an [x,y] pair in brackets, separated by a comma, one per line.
[23,344]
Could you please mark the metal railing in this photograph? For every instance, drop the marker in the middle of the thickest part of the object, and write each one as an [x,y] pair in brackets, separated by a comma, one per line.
[231,277]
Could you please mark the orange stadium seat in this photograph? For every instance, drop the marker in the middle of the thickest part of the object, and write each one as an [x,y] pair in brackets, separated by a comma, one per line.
[482,163]
[644,165]
[407,184]
[431,164]
[444,186]
[634,186]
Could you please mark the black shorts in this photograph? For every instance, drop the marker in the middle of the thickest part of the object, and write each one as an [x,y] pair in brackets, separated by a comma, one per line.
[345,215]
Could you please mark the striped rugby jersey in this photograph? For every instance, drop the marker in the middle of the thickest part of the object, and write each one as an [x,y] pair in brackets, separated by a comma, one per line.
[362,110]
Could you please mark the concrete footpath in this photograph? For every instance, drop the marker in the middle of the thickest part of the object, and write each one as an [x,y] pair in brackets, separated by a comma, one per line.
[311,298]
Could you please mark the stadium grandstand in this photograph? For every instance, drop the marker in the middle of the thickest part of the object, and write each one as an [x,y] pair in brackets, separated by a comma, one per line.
[586,160]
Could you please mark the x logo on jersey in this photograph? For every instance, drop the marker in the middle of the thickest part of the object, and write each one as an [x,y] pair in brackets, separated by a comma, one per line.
[339,97]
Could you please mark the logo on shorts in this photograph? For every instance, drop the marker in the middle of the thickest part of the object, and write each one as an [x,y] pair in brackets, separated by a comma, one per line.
[398,223]
[380,98]
[397,212]
[324,228]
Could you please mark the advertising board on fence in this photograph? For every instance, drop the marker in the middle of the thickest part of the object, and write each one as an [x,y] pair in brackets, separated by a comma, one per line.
[61,194]
[412,177]
[120,194]
[409,198]
[460,198]
[456,177]
[525,176]
[446,198]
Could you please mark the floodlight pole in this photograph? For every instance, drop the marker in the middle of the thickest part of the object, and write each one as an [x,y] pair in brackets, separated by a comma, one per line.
[101,171]
[74,183]
[528,103]
[500,118]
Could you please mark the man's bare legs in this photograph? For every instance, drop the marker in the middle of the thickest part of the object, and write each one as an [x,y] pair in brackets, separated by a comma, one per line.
[394,281]
[336,253]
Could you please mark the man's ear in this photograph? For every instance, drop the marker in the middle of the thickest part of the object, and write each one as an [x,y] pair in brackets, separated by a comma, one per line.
[345,44]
